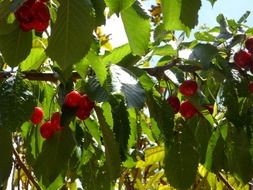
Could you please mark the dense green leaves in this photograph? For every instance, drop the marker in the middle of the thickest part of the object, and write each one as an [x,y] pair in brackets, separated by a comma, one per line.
[15,95]
[134,17]
[72,33]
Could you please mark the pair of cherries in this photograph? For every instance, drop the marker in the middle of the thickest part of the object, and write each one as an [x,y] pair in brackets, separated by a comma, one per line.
[33,14]
[187,110]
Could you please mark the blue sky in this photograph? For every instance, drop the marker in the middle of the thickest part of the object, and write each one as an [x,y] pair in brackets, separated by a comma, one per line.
[232,9]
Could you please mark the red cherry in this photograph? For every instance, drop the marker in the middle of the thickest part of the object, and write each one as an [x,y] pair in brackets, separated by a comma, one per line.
[174,102]
[86,103]
[41,16]
[56,121]
[243,59]
[209,107]
[72,99]
[188,87]
[47,130]
[37,115]
[249,44]
[187,110]
[251,87]
[82,114]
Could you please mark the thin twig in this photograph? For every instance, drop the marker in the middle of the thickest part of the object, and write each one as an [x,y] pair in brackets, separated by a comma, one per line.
[26,171]
[225,181]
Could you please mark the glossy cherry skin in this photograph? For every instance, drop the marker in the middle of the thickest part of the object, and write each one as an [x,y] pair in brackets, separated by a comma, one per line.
[46,130]
[243,59]
[249,44]
[188,87]
[72,99]
[85,107]
[174,102]
[37,115]
[187,110]
[56,121]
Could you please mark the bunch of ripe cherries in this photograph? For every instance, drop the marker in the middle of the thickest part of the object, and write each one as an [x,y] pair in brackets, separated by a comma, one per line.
[33,14]
[74,101]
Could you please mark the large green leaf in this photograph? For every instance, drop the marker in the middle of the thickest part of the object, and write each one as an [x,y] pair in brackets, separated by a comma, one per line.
[171,15]
[99,6]
[117,55]
[163,115]
[116,6]
[54,157]
[15,46]
[72,33]
[189,12]
[6,155]
[133,17]
[204,53]
[17,101]
[181,160]
[121,124]
[239,159]
[124,82]
[36,57]
[111,147]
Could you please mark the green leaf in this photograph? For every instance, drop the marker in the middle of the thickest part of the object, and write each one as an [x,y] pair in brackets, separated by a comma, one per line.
[165,121]
[116,6]
[204,53]
[53,160]
[121,124]
[202,135]
[96,91]
[72,33]
[189,12]
[98,67]
[36,57]
[15,46]
[165,50]
[132,117]
[116,55]
[152,155]
[132,17]
[204,36]
[212,1]
[99,6]
[6,152]
[181,160]
[171,15]
[124,82]
[239,159]
[111,147]
[215,157]
[16,100]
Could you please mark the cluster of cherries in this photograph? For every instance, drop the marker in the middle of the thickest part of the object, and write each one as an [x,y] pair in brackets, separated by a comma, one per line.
[188,88]
[244,58]
[33,14]
[74,101]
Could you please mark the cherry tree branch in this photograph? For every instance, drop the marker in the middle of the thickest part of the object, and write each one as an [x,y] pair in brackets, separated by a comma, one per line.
[26,171]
